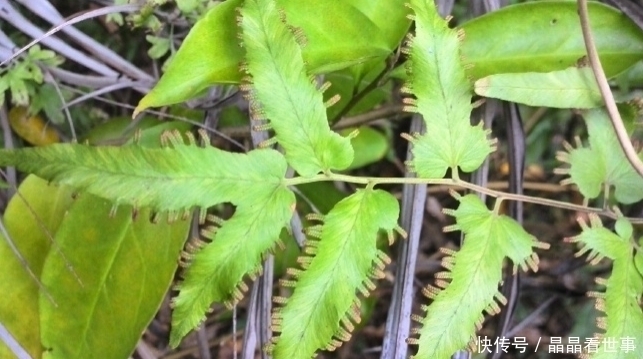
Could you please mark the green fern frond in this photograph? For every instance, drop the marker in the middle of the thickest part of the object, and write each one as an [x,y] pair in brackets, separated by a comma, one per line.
[475,272]
[283,93]
[324,306]
[602,164]
[443,97]
[217,270]
[175,178]
[622,297]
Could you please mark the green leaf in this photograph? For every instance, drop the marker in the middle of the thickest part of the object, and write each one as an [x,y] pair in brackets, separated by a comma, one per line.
[160,46]
[48,100]
[390,17]
[118,130]
[323,195]
[602,163]
[125,267]
[30,220]
[173,178]
[282,93]
[216,271]
[545,36]
[346,84]
[210,53]
[334,32]
[623,289]
[324,305]
[475,272]
[19,91]
[570,88]
[438,81]
[187,6]
[370,146]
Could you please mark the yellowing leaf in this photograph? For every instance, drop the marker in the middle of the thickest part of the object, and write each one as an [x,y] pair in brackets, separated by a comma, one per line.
[125,267]
[30,220]
[32,128]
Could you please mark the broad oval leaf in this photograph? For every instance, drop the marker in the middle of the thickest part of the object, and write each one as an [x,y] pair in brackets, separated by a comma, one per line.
[31,219]
[570,88]
[370,146]
[545,36]
[335,36]
[125,267]
[209,54]
[324,305]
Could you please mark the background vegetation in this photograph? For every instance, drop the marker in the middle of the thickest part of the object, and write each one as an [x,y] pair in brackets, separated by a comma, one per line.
[84,83]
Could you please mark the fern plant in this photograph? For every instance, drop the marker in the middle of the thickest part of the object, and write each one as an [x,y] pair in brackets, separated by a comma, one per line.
[341,261]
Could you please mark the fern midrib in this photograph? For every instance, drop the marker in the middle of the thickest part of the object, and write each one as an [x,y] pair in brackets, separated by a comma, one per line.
[101,171]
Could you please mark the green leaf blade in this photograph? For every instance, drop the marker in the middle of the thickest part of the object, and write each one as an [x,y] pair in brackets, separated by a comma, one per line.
[324,299]
[165,179]
[285,95]
[545,36]
[334,32]
[476,271]
[19,312]
[623,289]
[194,68]
[602,162]
[570,88]
[125,268]
[216,272]
[438,81]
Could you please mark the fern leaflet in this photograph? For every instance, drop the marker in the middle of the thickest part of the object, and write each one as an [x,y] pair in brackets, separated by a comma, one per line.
[475,272]
[321,311]
[174,178]
[283,93]
[622,297]
[443,98]
[216,271]
[603,164]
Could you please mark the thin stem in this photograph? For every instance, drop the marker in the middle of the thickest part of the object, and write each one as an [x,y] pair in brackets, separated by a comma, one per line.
[374,181]
[377,82]
[606,93]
